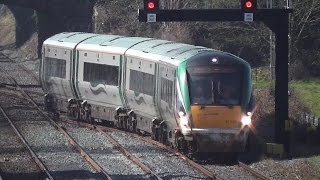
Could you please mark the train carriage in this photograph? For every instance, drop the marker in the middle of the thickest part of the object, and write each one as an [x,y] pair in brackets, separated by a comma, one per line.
[194,98]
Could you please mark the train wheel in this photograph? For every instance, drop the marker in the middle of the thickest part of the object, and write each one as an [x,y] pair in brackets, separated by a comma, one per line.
[180,144]
[88,117]
[154,135]
[132,124]
[125,123]
[154,131]
[121,122]
[117,124]
[191,149]
[163,134]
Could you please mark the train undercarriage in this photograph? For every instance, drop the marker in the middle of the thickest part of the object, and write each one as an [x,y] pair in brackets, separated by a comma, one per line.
[125,119]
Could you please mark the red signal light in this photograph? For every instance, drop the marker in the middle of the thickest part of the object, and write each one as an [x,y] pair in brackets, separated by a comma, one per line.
[248,5]
[150,5]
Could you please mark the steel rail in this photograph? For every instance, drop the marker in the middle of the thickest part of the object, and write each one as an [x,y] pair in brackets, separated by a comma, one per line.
[84,155]
[191,163]
[32,153]
[130,156]
[253,171]
[117,146]
[10,86]
[36,77]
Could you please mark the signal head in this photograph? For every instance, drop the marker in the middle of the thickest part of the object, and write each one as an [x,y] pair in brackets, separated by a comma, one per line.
[151,5]
[248,5]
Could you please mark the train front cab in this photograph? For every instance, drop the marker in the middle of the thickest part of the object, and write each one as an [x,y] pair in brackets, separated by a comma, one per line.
[218,94]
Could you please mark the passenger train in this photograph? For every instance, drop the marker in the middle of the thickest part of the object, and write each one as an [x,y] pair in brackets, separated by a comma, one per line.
[194,98]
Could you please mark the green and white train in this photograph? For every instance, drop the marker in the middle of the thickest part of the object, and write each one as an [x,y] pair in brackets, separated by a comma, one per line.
[193,98]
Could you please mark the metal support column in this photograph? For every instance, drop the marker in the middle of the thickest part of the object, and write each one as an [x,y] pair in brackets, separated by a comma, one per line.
[281,84]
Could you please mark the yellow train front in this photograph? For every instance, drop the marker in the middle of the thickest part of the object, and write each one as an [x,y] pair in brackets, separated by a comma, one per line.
[214,103]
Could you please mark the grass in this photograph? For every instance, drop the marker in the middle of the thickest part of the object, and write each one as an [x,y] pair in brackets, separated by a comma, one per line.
[309,93]
[314,160]
[261,84]
[261,78]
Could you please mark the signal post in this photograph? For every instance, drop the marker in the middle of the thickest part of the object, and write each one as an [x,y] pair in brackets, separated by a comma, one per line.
[276,19]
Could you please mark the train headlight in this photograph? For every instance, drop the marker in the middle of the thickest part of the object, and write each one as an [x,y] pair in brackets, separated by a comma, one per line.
[184,123]
[184,120]
[246,120]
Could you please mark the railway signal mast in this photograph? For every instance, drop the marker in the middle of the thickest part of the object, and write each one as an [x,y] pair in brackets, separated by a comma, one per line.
[276,19]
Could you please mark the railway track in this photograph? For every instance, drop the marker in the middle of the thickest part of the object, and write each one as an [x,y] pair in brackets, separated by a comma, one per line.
[78,148]
[253,171]
[32,153]
[130,156]
[210,174]
[34,77]
[126,153]
[15,85]
[107,130]
[198,167]
[207,173]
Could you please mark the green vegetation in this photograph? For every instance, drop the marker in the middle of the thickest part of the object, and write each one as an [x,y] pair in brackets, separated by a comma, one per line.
[261,84]
[309,93]
[261,78]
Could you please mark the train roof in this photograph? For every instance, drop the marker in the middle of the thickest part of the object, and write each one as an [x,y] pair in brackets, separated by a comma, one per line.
[148,48]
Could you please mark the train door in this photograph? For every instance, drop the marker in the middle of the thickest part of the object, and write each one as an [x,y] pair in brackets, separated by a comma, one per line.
[98,81]
[140,90]
[166,94]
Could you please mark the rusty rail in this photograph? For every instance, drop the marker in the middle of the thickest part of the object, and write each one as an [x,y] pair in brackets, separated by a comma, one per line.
[196,166]
[130,156]
[36,77]
[253,171]
[191,163]
[32,153]
[84,155]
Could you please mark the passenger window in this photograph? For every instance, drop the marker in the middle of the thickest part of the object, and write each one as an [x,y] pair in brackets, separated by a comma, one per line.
[55,67]
[101,73]
[166,90]
[137,77]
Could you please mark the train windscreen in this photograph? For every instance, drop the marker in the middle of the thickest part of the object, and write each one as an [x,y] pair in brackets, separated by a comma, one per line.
[214,85]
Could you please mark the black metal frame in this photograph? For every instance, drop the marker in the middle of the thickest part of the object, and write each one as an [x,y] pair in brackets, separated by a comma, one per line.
[277,20]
